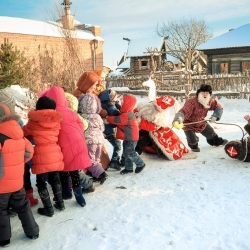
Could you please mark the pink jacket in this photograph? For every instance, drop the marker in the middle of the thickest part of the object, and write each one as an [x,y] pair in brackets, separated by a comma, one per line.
[71,136]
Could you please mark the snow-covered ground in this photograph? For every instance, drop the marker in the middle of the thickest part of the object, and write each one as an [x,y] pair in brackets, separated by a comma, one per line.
[197,204]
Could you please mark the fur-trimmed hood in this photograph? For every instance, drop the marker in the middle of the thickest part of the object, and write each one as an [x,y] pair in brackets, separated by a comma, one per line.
[47,118]
[9,117]
[128,103]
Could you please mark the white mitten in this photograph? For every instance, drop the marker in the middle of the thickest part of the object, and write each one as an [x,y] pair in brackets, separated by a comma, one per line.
[105,121]
[213,119]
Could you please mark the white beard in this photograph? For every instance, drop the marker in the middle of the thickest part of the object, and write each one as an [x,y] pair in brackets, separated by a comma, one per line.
[148,112]
[204,101]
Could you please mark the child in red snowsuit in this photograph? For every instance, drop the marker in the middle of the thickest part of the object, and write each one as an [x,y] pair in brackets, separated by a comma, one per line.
[128,131]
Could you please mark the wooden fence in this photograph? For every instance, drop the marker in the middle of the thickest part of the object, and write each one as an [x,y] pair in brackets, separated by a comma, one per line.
[183,84]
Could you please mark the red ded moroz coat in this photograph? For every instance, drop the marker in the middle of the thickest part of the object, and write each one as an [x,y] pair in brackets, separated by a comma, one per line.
[44,126]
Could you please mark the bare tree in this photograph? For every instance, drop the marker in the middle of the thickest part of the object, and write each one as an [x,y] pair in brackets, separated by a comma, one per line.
[183,36]
[72,54]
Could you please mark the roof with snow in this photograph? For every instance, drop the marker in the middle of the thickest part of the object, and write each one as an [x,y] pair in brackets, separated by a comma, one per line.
[239,37]
[124,65]
[39,28]
[138,47]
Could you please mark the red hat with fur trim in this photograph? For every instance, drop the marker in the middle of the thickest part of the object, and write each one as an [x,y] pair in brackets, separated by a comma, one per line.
[164,102]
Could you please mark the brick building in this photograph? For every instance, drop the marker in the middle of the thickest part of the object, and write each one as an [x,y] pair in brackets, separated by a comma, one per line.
[36,38]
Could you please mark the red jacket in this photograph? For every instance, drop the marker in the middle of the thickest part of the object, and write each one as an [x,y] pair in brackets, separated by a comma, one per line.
[15,150]
[44,126]
[127,126]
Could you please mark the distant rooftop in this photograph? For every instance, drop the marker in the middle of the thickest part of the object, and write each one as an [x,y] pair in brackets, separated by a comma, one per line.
[39,28]
[239,37]
[124,65]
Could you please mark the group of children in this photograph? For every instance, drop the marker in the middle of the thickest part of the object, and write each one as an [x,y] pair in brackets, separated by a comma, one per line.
[68,133]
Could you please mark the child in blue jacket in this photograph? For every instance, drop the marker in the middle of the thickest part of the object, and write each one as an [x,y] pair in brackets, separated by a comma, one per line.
[109,102]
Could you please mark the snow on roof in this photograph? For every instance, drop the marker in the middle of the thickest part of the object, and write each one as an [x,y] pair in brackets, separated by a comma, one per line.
[124,65]
[239,37]
[111,67]
[137,47]
[39,28]
[117,72]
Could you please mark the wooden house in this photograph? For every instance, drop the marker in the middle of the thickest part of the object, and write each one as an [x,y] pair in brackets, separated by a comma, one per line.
[228,53]
[146,54]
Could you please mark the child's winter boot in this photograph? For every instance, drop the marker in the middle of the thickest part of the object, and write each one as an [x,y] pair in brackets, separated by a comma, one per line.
[4,243]
[103,177]
[114,164]
[78,195]
[139,169]
[33,237]
[122,161]
[126,171]
[217,141]
[194,147]
[47,210]
[89,189]
[32,199]
[57,191]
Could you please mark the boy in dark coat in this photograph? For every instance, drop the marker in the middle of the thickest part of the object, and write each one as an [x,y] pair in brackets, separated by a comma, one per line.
[128,131]
[111,105]
[15,150]
[194,112]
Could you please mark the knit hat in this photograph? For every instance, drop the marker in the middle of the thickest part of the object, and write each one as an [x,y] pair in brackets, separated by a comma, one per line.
[45,103]
[204,88]
[86,81]
[112,95]
[7,103]
[73,101]
[164,102]
[6,109]
[7,98]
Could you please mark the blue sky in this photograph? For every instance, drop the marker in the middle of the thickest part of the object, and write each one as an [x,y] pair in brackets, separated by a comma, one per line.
[135,18]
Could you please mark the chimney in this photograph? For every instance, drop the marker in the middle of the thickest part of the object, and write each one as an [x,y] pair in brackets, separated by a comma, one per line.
[68,20]
[96,30]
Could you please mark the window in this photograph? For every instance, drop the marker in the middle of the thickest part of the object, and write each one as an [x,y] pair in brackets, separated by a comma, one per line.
[144,63]
[224,68]
[245,67]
